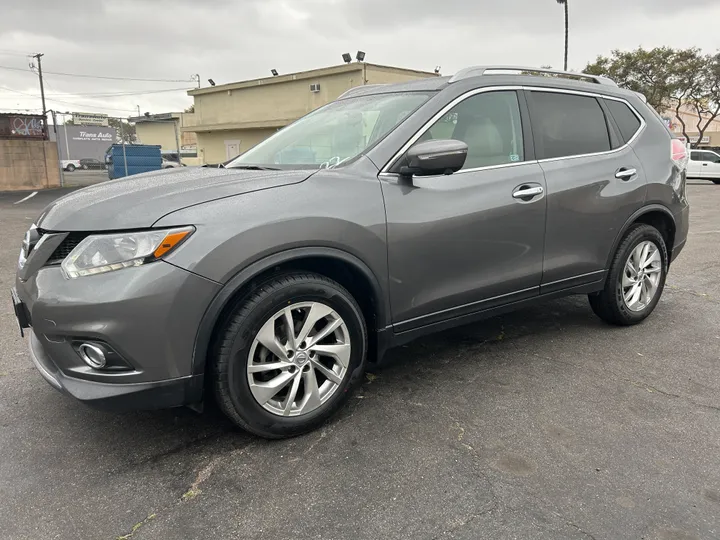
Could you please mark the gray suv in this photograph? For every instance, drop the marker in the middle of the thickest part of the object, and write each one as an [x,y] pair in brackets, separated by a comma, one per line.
[395,211]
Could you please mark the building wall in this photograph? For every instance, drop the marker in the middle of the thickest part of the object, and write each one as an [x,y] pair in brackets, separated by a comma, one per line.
[161,133]
[28,165]
[79,142]
[281,103]
[212,147]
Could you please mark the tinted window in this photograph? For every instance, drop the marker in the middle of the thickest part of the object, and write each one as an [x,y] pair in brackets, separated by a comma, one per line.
[696,156]
[624,118]
[568,125]
[489,123]
[710,157]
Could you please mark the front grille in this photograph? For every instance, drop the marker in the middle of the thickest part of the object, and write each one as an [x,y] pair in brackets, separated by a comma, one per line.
[64,249]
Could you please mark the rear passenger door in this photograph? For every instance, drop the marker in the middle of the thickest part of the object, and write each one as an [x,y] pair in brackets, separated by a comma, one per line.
[595,182]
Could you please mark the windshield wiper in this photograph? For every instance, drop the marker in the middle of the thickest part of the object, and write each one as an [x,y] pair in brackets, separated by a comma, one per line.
[253,168]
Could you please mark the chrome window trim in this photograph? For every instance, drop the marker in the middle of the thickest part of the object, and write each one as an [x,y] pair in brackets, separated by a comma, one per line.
[384,171]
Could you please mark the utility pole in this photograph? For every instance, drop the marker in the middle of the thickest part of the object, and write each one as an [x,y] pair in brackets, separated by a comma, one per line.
[38,56]
[138,108]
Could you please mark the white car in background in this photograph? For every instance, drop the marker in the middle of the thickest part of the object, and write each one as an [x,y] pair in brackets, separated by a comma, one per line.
[169,164]
[70,165]
[704,164]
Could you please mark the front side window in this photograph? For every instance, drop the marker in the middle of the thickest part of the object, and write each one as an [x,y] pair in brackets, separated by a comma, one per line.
[568,125]
[710,157]
[333,134]
[489,123]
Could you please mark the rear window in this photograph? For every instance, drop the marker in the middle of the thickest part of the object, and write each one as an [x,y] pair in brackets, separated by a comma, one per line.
[626,120]
[568,125]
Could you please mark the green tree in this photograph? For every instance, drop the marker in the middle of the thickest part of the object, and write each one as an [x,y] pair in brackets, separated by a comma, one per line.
[678,80]
[125,130]
[190,109]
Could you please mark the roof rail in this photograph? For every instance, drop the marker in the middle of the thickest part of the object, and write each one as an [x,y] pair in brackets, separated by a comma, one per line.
[476,71]
[356,89]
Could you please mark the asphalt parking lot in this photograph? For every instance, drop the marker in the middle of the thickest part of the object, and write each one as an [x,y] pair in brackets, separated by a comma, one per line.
[544,423]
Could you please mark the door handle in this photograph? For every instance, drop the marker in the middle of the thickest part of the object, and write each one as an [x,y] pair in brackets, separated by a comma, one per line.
[625,174]
[704,164]
[527,192]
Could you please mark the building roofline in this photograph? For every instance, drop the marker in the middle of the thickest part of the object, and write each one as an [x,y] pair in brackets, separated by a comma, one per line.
[300,75]
[156,117]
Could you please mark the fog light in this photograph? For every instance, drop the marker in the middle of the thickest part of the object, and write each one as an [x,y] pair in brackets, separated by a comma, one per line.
[92,355]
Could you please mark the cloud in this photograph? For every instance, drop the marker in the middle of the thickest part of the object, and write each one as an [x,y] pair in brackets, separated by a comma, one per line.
[230,40]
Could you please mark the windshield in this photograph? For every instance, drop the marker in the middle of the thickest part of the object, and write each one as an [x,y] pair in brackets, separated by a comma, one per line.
[333,134]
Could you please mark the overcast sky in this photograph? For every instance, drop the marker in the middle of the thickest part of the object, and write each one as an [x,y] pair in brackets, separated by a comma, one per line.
[231,40]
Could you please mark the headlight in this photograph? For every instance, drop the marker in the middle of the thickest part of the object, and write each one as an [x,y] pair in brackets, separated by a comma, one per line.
[101,253]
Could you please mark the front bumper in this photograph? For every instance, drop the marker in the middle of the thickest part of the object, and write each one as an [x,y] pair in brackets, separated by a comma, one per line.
[147,315]
[118,396]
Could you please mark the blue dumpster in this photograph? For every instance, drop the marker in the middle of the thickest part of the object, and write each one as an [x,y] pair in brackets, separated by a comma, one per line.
[140,158]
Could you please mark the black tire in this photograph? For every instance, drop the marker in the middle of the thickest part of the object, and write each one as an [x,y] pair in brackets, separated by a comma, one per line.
[84,167]
[609,304]
[716,181]
[70,168]
[237,333]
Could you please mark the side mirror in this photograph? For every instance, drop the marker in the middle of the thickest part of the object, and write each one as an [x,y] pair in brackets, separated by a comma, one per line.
[434,157]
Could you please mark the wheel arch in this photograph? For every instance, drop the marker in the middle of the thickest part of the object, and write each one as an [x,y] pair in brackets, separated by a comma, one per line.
[345,268]
[656,215]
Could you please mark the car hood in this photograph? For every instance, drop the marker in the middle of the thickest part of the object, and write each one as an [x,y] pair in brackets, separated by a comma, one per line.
[139,201]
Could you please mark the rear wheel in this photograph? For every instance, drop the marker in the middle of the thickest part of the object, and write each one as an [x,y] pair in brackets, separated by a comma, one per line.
[288,354]
[70,168]
[636,279]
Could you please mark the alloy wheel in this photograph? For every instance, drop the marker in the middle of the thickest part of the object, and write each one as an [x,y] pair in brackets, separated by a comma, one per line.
[641,276]
[299,359]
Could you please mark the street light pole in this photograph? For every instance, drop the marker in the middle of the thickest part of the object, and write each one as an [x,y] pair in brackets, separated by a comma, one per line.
[567,21]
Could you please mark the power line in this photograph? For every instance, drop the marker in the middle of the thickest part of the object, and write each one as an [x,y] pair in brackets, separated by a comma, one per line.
[100,94]
[90,106]
[98,76]
[7,52]
[120,94]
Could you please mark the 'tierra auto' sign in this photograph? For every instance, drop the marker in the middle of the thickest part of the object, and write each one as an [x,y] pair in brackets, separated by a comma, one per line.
[89,119]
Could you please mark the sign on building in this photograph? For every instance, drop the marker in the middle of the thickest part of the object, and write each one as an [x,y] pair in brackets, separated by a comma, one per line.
[78,142]
[694,139]
[89,119]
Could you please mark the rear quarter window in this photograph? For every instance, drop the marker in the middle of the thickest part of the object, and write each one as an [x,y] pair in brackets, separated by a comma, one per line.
[624,117]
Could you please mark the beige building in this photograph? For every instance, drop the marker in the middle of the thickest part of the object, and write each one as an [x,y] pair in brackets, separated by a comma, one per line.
[711,135]
[166,130]
[231,118]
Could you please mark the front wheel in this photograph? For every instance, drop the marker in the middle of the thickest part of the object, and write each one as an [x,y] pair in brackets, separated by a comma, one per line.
[636,279]
[288,354]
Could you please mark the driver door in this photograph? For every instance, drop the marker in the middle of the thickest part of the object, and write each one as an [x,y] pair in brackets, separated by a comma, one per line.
[466,242]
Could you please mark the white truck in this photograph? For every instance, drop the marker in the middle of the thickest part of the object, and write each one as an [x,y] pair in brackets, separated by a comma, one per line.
[704,164]
[70,165]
